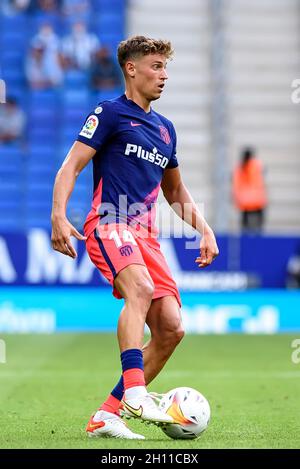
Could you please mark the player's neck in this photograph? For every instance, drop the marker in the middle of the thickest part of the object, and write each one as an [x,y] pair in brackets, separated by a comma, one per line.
[138,99]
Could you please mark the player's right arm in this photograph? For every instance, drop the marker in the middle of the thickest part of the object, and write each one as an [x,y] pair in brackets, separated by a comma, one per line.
[77,158]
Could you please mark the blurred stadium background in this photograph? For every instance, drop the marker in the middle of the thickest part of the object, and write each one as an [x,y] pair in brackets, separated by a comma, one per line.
[230,86]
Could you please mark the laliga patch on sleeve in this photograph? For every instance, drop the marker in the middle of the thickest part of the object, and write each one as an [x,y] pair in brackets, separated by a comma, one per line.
[90,127]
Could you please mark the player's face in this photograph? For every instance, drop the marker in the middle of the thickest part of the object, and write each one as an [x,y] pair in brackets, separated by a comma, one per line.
[150,75]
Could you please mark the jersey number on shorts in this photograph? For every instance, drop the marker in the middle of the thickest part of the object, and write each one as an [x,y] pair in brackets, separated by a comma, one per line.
[126,235]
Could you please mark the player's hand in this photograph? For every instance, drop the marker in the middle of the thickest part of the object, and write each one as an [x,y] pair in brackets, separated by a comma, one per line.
[208,248]
[62,230]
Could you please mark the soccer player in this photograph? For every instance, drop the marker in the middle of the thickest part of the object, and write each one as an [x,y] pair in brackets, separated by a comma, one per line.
[133,149]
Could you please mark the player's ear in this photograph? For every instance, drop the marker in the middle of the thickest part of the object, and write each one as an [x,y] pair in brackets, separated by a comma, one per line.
[130,69]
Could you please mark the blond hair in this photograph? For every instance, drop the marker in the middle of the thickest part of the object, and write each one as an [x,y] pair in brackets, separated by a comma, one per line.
[139,46]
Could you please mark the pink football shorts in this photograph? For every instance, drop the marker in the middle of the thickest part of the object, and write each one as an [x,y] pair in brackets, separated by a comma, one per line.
[112,247]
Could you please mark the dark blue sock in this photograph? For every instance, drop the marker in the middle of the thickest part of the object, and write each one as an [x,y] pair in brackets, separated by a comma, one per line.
[118,390]
[132,358]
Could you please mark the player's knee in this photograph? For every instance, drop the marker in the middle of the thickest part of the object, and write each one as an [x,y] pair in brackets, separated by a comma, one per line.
[172,337]
[143,290]
[178,334]
[171,340]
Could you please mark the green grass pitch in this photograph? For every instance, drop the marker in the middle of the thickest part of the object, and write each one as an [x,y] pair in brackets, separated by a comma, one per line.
[50,385]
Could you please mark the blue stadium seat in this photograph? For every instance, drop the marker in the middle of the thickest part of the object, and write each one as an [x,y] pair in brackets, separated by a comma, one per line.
[11,218]
[18,91]
[10,181]
[10,154]
[38,208]
[44,206]
[43,133]
[87,173]
[75,79]
[17,22]
[70,114]
[44,159]
[11,60]
[45,98]
[37,222]
[62,153]
[40,188]
[42,114]
[106,94]
[45,150]
[109,23]
[71,131]
[42,138]
[38,218]
[40,174]
[80,189]
[67,142]
[11,205]
[76,98]
[111,39]
[40,123]
[13,78]
[39,192]
[110,5]
[10,174]
[11,194]
[74,118]
[13,38]
[12,74]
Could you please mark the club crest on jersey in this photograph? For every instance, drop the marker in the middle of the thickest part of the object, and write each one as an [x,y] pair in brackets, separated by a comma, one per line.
[90,127]
[164,134]
[126,250]
[151,156]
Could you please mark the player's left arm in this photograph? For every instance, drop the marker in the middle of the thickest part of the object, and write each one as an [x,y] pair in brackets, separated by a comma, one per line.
[181,201]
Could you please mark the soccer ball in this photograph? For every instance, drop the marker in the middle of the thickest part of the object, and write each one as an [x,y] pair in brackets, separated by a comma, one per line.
[189,409]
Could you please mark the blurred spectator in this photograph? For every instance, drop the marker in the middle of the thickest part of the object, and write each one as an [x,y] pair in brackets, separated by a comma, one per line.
[47,38]
[79,47]
[12,7]
[249,191]
[293,270]
[12,121]
[48,6]
[43,66]
[42,71]
[46,10]
[104,71]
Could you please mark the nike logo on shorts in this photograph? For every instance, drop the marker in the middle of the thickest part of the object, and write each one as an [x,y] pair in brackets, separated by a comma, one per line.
[134,124]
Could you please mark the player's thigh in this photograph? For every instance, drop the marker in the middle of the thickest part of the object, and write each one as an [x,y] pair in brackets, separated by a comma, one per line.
[134,281]
[159,271]
[164,317]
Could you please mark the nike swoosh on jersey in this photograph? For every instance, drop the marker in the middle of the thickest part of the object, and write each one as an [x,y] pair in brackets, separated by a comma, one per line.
[137,412]
[134,124]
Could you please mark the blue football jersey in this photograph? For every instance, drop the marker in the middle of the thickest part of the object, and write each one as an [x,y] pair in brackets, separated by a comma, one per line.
[133,148]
